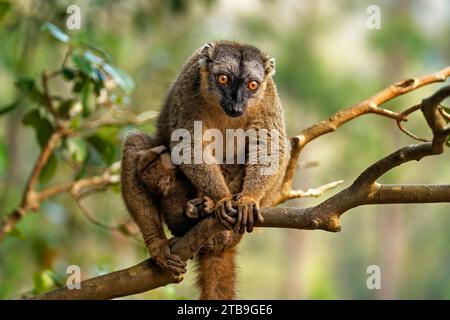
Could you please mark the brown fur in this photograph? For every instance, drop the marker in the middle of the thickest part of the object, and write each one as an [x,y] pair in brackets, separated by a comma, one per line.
[217,275]
[193,97]
[155,190]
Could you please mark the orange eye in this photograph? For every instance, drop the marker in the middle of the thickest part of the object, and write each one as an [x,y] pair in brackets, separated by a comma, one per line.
[252,85]
[223,79]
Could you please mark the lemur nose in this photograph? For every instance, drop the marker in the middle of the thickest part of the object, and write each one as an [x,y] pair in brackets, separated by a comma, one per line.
[237,110]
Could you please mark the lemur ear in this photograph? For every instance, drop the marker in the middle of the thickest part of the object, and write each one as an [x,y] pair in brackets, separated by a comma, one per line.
[206,53]
[269,66]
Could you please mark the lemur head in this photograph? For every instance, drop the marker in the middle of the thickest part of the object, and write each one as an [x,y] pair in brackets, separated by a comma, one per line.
[234,75]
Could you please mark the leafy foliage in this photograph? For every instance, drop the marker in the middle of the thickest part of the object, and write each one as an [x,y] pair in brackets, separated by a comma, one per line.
[153,38]
[93,81]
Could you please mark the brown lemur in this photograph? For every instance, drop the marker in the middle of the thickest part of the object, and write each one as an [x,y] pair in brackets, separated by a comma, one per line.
[225,85]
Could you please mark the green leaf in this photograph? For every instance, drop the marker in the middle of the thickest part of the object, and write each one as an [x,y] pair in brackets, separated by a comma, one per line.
[99,83]
[123,80]
[58,279]
[123,229]
[77,149]
[68,73]
[17,233]
[42,281]
[95,73]
[75,123]
[49,169]
[32,118]
[83,168]
[8,108]
[64,108]
[27,86]
[44,132]
[105,148]
[93,58]
[85,91]
[56,32]
[79,84]
[5,7]
[96,50]
[84,64]
[42,126]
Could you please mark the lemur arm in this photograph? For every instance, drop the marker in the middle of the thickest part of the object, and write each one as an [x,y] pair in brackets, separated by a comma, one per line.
[265,160]
[207,178]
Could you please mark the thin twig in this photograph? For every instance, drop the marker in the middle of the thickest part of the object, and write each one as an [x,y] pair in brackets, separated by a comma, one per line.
[362,108]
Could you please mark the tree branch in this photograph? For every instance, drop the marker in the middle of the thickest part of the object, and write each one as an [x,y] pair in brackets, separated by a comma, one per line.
[325,216]
[371,105]
[32,199]
[147,275]
[312,192]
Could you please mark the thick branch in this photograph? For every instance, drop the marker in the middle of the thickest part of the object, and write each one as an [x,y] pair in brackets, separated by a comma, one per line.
[147,275]
[325,216]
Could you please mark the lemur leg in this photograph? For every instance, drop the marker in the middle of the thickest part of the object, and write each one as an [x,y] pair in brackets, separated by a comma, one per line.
[142,207]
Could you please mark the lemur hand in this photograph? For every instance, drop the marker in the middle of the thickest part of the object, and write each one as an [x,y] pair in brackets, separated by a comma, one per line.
[160,252]
[247,213]
[199,207]
[225,212]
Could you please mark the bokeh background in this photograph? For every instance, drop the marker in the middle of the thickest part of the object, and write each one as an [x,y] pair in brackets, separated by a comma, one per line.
[327,59]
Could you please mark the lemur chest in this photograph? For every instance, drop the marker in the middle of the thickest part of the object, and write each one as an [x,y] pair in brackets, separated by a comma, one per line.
[229,134]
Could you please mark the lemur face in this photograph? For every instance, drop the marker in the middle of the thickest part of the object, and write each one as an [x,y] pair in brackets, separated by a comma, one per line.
[236,75]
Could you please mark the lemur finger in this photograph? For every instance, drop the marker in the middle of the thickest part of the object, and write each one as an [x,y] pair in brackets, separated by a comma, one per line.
[162,263]
[197,201]
[208,205]
[244,210]
[228,217]
[237,225]
[177,270]
[250,218]
[222,215]
[176,261]
[229,207]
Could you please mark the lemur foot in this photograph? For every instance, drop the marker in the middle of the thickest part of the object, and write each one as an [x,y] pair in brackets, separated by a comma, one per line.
[199,207]
[160,252]
[222,241]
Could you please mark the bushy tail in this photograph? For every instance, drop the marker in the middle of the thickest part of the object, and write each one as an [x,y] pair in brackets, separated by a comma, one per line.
[216,275]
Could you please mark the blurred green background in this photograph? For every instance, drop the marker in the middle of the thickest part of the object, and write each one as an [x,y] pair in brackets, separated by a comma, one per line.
[327,59]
